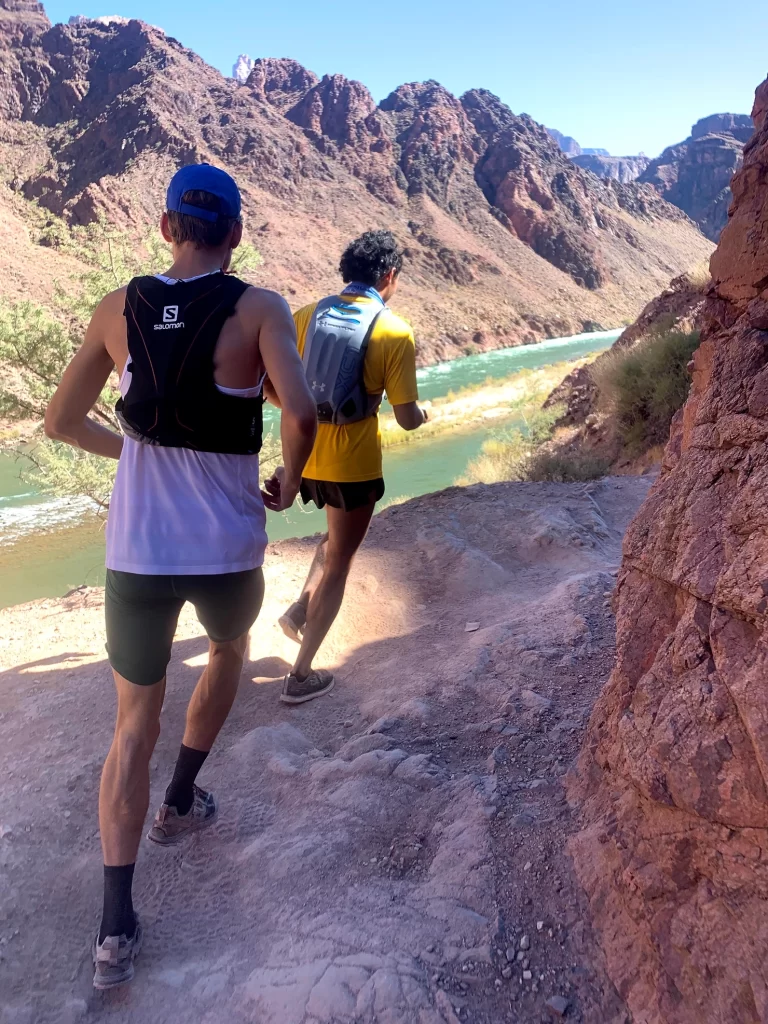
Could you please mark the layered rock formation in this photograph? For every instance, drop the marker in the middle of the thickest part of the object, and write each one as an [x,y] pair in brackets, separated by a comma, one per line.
[674,774]
[600,161]
[282,83]
[567,143]
[696,174]
[508,241]
[620,168]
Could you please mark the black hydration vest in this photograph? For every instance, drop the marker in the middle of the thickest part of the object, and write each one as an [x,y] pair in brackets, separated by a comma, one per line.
[172,400]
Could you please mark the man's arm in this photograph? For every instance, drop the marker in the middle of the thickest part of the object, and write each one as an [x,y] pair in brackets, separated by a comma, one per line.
[410,415]
[66,418]
[401,384]
[287,381]
[270,394]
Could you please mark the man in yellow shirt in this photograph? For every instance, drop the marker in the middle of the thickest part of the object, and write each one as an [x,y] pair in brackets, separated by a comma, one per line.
[344,471]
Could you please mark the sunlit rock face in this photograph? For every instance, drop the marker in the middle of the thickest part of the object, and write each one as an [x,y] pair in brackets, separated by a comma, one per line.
[672,778]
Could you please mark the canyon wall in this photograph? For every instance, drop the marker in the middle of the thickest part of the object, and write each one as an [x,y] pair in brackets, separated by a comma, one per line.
[696,174]
[673,777]
[507,240]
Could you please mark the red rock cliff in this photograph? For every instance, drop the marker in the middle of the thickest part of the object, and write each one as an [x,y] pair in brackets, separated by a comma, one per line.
[674,855]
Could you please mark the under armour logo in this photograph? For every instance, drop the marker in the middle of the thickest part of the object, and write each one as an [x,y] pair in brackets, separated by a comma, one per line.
[170,314]
[317,387]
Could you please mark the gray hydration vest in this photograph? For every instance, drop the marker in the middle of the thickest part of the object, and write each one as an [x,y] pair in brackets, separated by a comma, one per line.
[334,355]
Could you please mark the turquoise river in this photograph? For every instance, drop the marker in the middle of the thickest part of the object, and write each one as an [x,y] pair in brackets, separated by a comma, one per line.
[50,545]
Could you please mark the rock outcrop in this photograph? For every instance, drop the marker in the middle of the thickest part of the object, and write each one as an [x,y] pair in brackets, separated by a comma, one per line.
[674,773]
[679,307]
[242,68]
[280,82]
[567,143]
[21,21]
[696,174]
[507,239]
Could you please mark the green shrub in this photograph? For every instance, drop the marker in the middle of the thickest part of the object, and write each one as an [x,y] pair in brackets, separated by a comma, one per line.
[644,386]
[508,455]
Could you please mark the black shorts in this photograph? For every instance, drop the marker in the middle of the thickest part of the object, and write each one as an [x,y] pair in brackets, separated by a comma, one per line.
[344,496]
[142,613]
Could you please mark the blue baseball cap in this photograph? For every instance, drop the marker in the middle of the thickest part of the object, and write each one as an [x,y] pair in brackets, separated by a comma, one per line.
[204,178]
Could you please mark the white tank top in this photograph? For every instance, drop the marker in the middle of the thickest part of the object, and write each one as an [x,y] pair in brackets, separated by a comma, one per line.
[180,512]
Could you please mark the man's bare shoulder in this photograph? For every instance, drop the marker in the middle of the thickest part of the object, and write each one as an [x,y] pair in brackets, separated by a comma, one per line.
[260,302]
[113,304]
[108,315]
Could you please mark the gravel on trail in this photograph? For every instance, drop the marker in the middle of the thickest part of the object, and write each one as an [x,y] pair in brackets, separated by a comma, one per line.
[394,852]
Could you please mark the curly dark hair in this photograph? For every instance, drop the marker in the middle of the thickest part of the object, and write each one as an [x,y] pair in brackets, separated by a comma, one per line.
[370,257]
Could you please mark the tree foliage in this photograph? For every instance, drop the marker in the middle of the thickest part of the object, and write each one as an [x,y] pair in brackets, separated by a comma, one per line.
[37,343]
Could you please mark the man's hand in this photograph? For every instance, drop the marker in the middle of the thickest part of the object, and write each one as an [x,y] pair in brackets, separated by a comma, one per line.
[411,416]
[279,493]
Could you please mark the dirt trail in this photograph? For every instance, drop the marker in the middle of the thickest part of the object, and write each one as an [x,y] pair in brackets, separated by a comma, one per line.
[391,854]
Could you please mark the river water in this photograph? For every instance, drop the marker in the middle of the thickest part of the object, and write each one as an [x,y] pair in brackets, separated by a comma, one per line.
[50,545]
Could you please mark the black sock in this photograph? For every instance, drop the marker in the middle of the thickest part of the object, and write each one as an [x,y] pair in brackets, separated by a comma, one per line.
[179,794]
[118,917]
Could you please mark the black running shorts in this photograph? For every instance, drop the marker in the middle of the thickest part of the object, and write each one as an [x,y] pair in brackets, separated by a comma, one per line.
[345,496]
[142,613]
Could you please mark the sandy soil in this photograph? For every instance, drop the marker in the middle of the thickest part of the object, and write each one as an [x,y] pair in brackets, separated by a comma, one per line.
[392,853]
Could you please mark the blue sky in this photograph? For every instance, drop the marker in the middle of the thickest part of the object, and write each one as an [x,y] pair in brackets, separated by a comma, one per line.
[621,75]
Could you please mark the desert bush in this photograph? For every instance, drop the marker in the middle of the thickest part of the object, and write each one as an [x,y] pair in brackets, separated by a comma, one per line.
[566,467]
[700,276]
[398,499]
[643,387]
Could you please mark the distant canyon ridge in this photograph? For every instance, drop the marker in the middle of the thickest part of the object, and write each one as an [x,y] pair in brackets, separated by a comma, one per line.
[694,175]
[507,240]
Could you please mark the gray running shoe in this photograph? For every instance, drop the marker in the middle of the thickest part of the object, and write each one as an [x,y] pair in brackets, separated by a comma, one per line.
[171,827]
[316,684]
[293,621]
[113,958]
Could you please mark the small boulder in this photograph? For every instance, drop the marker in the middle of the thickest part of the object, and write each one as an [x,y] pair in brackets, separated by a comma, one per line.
[557,1006]
[535,701]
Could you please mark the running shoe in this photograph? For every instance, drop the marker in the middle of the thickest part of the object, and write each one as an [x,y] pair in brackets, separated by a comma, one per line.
[316,684]
[113,958]
[171,827]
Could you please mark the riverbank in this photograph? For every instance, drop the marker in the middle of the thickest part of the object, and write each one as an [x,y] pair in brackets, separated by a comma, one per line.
[495,400]
[47,548]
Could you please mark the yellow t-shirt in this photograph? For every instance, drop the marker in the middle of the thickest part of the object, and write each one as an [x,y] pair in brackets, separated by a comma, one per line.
[351,452]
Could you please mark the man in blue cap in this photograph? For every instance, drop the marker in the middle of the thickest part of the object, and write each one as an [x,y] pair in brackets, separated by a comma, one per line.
[187,515]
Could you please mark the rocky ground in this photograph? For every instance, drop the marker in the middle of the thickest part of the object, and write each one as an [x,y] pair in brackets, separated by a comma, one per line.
[392,853]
